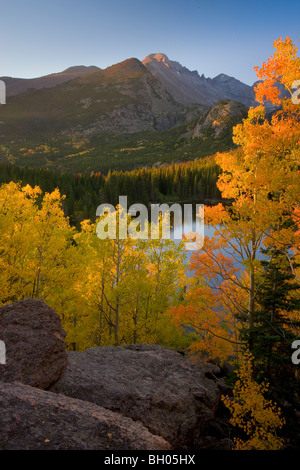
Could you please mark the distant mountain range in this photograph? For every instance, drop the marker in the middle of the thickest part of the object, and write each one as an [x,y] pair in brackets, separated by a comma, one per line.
[15,86]
[185,86]
[131,96]
[81,117]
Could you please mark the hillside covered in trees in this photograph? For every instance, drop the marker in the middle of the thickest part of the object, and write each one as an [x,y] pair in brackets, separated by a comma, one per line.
[191,181]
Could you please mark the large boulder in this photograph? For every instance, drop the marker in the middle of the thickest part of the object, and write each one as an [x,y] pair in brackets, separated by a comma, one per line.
[33,419]
[35,343]
[173,396]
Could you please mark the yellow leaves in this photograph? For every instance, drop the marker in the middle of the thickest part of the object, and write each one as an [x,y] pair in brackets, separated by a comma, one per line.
[296,218]
[33,242]
[256,115]
[31,192]
[258,417]
[282,67]
[265,164]
[216,214]
[267,90]
[262,176]
[261,181]
[125,288]
[87,226]
[209,302]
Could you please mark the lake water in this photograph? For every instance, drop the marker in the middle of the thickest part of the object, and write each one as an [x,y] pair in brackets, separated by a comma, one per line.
[205,231]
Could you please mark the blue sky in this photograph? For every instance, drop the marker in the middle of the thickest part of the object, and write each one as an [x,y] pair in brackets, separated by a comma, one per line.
[212,37]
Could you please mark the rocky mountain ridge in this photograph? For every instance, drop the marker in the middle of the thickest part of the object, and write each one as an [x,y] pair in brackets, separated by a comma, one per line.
[128,97]
[189,87]
[77,119]
[185,86]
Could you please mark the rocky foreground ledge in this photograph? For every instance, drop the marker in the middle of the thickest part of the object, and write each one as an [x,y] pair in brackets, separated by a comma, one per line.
[136,397]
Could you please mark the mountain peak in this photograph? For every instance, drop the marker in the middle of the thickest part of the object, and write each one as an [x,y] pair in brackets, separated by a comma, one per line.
[187,86]
[128,66]
[158,57]
[222,76]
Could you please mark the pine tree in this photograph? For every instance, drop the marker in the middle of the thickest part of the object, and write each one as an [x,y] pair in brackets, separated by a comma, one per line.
[276,323]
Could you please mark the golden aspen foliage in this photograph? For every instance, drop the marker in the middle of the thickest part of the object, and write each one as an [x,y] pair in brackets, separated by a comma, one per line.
[257,417]
[260,180]
[106,291]
[283,67]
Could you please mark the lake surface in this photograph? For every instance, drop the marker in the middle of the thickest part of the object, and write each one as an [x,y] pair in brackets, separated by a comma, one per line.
[204,231]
